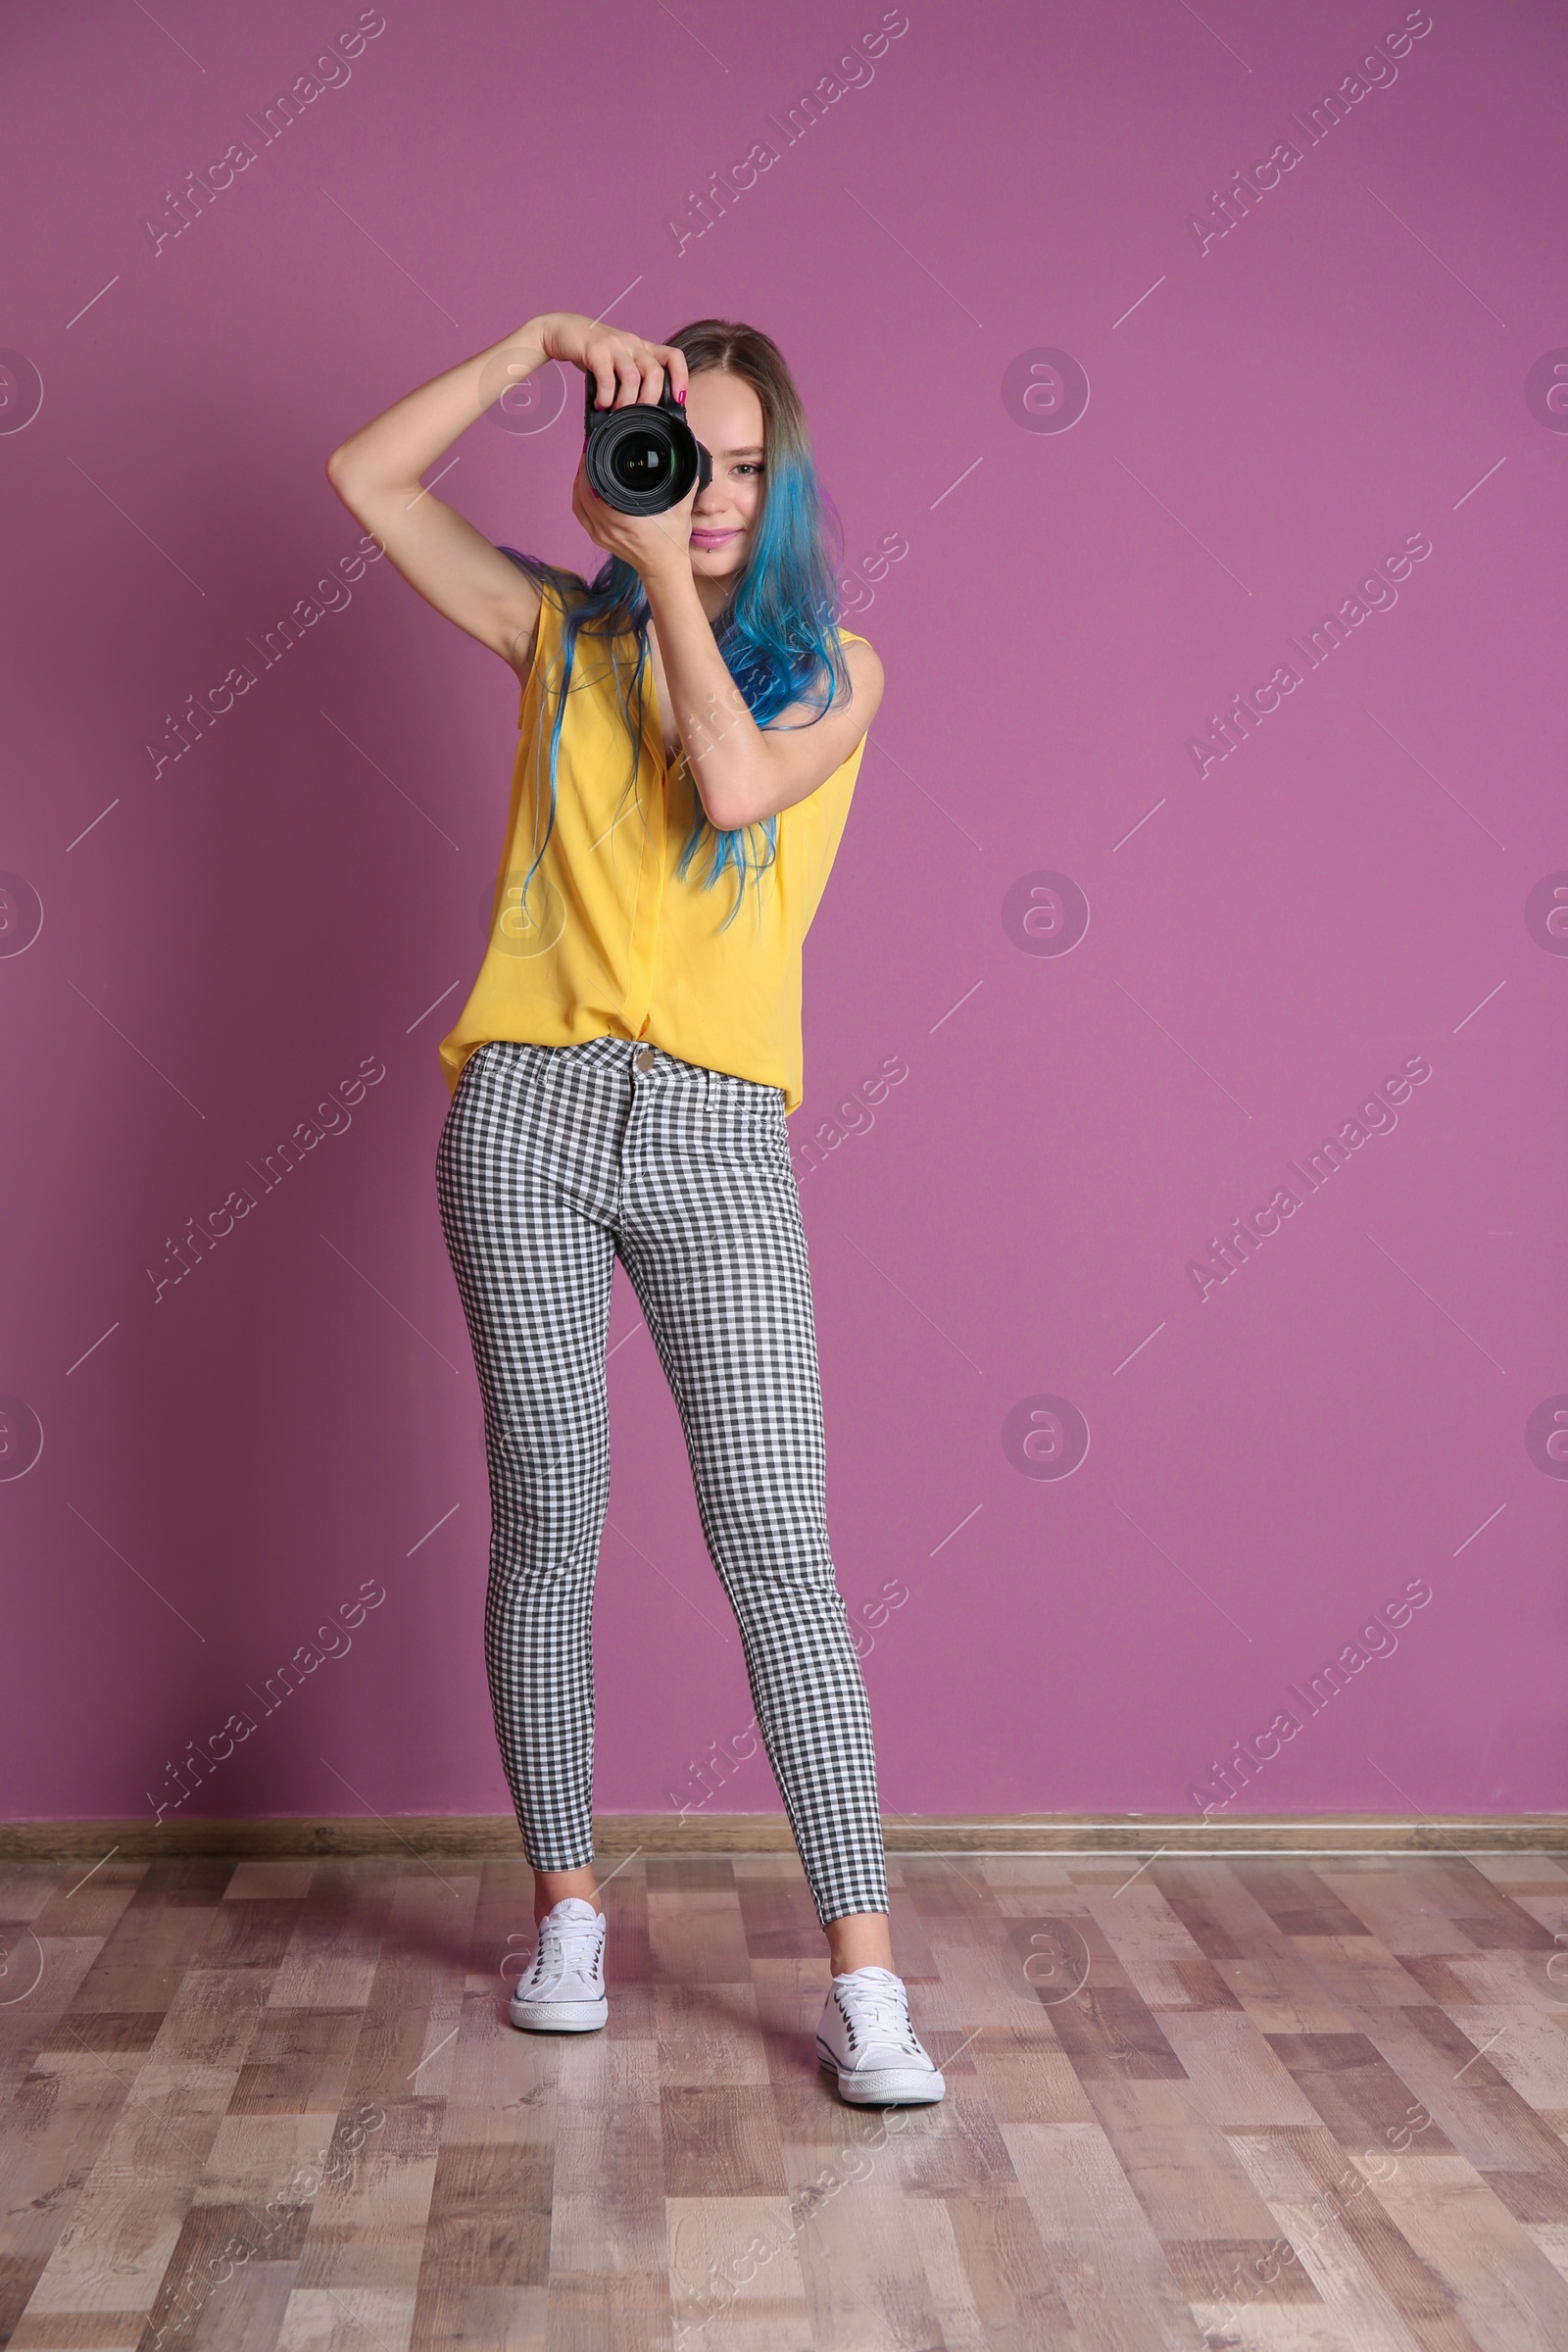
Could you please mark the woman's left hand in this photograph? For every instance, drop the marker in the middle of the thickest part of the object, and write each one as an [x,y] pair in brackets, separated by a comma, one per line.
[653,544]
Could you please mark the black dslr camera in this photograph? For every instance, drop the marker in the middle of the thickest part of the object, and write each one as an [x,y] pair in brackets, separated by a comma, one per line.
[643,458]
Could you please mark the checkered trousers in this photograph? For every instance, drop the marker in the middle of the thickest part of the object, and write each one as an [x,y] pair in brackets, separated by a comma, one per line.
[552,1162]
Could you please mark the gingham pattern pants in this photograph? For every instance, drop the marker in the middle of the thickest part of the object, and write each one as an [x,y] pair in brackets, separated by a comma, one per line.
[552,1162]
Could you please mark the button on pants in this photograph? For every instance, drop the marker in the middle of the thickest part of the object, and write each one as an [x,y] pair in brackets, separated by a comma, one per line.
[552,1162]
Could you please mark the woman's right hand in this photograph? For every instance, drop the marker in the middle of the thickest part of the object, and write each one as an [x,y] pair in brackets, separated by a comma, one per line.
[624,367]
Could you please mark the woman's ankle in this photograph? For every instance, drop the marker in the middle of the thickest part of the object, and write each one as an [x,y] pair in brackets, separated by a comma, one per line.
[552,1887]
[858,1939]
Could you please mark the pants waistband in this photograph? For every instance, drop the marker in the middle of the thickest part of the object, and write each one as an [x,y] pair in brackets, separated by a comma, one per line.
[642,1063]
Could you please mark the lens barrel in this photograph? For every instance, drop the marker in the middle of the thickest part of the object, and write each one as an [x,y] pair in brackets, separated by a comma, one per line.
[643,458]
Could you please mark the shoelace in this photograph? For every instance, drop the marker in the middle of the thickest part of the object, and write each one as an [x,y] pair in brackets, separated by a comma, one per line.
[879,2013]
[560,1943]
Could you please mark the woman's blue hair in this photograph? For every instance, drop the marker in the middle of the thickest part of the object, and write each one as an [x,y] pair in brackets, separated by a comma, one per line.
[778,632]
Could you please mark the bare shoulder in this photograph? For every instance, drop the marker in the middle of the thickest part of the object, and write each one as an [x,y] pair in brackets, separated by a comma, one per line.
[866,677]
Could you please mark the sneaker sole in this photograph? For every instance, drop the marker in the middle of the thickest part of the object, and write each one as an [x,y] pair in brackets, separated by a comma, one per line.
[886,2087]
[559,2017]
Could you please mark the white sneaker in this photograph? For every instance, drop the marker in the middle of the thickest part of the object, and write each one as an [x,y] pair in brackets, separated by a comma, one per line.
[563,1989]
[866,2037]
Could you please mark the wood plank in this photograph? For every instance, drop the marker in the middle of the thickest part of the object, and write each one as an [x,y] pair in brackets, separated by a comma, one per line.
[609,2203]
[957,2145]
[1207,2270]
[1150,1940]
[913,1955]
[1520,1875]
[597,2311]
[253,1934]
[1182,2170]
[332,2319]
[1012,2279]
[1027,2076]
[25,1888]
[145,1955]
[1508,1977]
[735,2274]
[93,1905]
[335,1948]
[1392,1908]
[1438,1979]
[1357,2093]
[1115,2280]
[1111,2036]
[1296,1899]
[1551,1909]
[1282,1994]
[723,2142]
[1011,1876]
[941,1886]
[709,2035]
[1553,2239]
[270,1882]
[861,2274]
[980,1980]
[127,2222]
[219,2244]
[1269,1977]
[489,2227]
[127,2032]
[29,2024]
[1361,1971]
[1504,2288]
[52,2133]
[789,1995]
[1478,1906]
[370,2219]
[959,2324]
[1198,1901]
[297,2062]
[696,1933]
[1238,2080]
[113,2330]
[1377,2289]
[1525,2161]
[414,2004]
[1528,2047]
[778,1920]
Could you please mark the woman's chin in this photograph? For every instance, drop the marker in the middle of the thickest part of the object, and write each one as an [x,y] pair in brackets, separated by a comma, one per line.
[718,562]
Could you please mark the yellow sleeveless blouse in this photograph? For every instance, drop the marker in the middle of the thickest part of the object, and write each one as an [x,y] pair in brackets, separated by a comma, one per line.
[610,940]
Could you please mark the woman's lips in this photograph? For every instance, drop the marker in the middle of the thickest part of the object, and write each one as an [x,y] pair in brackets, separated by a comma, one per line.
[711,539]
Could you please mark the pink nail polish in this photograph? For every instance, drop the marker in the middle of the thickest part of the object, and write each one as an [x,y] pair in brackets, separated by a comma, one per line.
[681,397]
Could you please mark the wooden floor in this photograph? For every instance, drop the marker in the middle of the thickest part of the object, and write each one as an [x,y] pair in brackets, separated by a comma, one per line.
[1265,2102]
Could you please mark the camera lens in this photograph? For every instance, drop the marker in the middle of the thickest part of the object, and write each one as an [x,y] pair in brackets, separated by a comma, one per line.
[641,462]
[641,458]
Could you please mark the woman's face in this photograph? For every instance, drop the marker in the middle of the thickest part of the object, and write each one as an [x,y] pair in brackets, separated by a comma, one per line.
[726,416]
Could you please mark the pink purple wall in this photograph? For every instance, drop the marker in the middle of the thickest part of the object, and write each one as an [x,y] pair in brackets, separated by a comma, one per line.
[1099,968]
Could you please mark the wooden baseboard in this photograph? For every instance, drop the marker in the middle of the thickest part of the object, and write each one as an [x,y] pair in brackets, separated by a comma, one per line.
[494,1837]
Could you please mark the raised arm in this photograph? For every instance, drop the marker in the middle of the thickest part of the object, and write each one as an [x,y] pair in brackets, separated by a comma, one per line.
[376,472]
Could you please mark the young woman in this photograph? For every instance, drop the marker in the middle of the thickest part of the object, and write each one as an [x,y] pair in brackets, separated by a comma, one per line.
[691,726]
